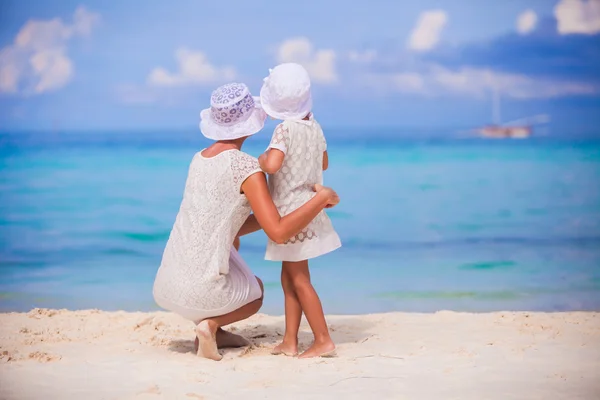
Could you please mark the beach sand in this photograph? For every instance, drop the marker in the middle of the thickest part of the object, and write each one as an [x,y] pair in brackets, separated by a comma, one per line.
[60,354]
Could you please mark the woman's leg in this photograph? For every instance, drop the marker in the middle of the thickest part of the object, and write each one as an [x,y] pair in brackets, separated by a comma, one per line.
[207,329]
[293,314]
[311,305]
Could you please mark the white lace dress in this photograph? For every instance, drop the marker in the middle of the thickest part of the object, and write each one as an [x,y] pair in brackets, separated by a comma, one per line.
[303,144]
[201,274]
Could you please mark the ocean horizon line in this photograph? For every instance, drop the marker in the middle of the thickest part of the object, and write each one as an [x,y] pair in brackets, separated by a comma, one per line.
[402,130]
[371,138]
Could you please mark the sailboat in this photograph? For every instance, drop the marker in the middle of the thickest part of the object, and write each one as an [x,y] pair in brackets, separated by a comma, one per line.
[518,129]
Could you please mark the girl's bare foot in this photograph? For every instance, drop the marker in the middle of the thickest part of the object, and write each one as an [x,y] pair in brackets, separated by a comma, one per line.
[207,342]
[286,348]
[320,349]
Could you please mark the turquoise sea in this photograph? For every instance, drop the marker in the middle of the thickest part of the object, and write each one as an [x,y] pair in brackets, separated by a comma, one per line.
[428,221]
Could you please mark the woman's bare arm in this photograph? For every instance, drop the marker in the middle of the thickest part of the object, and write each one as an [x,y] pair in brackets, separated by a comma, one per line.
[325,160]
[279,229]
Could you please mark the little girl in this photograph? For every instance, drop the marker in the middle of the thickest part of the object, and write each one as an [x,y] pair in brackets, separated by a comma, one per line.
[295,161]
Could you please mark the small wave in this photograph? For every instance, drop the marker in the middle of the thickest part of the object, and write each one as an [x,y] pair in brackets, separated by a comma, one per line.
[8,264]
[536,211]
[355,244]
[514,294]
[471,295]
[146,237]
[120,251]
[486,265]
[13,295]
[359,244]
[427,187]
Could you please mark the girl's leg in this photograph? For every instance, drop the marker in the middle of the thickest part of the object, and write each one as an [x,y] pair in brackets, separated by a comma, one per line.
[293,314]
[206,330]
[311,305]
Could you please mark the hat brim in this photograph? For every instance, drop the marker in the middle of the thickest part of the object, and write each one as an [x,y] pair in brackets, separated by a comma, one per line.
[299,114]
[211,130]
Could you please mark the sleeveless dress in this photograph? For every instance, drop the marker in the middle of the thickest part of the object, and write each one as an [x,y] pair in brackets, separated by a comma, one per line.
[303,144]
[201,275]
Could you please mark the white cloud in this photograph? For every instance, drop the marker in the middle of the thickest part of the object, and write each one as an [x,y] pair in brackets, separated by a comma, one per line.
[10,73]
[426,34]
[408,82]
[53,68]
[526,22]
[320,64]
[473,82]
[362,56]
[578,16]
[193,69]
[37,61]
[84,21]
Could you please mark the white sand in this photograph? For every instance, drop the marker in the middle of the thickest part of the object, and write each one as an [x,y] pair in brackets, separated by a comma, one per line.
[59,354]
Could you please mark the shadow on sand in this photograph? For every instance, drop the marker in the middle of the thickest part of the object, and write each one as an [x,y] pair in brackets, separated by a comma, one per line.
[269,335]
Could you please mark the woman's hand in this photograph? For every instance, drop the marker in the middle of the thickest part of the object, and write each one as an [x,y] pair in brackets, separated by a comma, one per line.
[328,193]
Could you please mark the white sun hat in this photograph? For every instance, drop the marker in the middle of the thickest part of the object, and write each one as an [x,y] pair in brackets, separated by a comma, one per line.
[233,113]
[285,93]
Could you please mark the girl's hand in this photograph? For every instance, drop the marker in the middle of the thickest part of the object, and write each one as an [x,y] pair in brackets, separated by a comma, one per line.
[331,196]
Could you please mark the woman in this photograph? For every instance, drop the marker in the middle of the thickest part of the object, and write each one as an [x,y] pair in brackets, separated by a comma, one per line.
[202,277]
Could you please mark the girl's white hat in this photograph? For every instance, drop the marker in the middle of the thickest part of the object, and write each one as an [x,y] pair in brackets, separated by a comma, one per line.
[233,113]
[285,93]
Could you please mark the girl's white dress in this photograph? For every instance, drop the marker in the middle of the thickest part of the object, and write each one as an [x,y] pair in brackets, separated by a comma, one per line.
[201,274]
[303,144]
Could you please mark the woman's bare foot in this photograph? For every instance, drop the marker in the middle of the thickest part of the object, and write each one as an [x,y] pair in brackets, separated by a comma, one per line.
[320,349]
[207,342]
[286,348]
[227,339]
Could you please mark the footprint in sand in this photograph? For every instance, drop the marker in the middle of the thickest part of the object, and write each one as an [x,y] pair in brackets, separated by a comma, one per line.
[43,357]
[6,356]
[148,393]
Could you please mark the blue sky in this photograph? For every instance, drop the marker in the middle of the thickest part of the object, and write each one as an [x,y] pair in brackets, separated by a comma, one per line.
[98,65]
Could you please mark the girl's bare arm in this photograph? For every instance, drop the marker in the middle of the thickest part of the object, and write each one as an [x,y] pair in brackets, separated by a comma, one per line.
[271,161]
